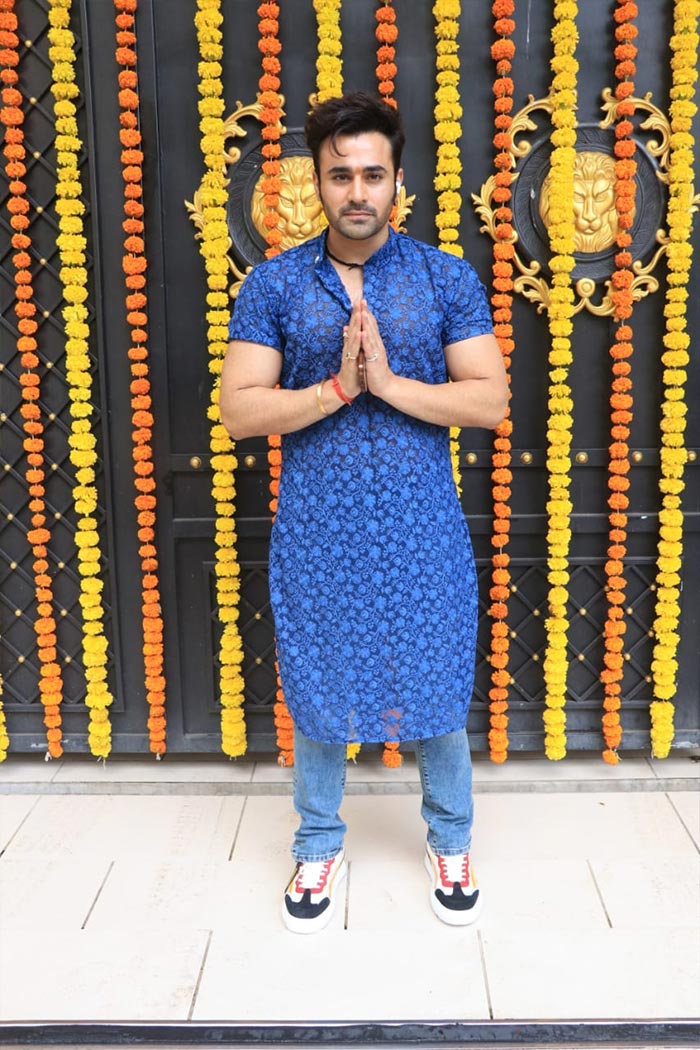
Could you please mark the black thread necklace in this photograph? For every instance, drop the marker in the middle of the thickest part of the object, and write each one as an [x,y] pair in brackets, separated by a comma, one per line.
[342,262]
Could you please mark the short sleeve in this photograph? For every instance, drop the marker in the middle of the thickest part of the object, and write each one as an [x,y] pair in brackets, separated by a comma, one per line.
[467,313]
[255,318]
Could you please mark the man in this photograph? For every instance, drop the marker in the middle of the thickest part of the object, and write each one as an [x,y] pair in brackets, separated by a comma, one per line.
[362,347]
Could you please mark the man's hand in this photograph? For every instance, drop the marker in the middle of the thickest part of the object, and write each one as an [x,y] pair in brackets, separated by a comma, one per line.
[348,373]
[376,365]
[364,354]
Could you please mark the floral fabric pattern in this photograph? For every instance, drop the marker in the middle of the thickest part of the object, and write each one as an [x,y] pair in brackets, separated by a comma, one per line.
[372,577]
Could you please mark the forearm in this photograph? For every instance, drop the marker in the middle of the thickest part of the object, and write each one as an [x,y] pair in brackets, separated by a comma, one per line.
[257,411]
[465,403]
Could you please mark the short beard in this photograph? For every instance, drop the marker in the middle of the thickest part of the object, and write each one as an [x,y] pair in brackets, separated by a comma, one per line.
[353,233]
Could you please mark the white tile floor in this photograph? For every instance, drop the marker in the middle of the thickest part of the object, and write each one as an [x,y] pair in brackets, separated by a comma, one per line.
[165,905]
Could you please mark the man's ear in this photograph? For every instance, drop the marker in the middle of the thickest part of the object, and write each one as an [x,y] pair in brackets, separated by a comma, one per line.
[317,188]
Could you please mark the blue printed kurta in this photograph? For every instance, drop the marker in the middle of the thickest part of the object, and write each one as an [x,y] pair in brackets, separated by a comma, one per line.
[372,577]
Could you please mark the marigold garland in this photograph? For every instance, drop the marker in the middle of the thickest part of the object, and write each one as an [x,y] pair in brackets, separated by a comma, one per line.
[18,206]
[5,79]
[621,401]
[448,130]
[135,264]
[675,359]
[214,245]
[271,114]
[274,460]
[282,718]
[329,64]
[4,738]
[454,456]
[502,52]
[386,33]
[270,118]
[559,425]
[283,724]
[82,442]
[448,125]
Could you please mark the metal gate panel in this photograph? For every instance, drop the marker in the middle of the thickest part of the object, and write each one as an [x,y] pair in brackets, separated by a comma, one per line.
[167,63]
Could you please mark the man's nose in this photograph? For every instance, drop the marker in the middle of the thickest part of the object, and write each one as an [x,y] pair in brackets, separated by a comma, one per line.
[357,188]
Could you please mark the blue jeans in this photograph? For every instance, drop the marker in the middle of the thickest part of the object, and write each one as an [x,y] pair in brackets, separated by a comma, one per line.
[445,769]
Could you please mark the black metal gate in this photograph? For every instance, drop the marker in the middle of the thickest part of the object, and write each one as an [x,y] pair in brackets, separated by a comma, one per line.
[167,66]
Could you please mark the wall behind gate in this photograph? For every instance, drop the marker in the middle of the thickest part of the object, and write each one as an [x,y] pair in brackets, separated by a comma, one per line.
[167,72]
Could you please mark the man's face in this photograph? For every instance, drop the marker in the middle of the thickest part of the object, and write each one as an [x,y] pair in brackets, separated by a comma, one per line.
[356,183]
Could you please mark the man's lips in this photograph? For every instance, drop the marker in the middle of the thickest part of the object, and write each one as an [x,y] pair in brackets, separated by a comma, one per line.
[356,212]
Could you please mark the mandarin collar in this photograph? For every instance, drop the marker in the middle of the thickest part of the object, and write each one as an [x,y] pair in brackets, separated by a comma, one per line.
[382,253]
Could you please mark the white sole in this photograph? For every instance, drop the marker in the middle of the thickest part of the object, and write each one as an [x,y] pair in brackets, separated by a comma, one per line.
[295,925]
[452,918]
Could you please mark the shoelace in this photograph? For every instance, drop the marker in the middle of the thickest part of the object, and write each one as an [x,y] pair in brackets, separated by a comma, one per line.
[454,869]
[313,876]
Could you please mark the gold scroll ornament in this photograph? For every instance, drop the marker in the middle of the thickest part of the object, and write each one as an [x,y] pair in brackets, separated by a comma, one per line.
[594,206]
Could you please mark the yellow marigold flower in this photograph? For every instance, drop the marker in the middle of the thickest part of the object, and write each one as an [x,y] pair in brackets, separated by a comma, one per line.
[447,219]
[447,9]
[214,247]
[447,29]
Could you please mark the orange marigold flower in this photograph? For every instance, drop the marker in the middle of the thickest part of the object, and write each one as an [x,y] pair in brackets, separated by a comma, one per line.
[386,71]
[385,13]
[626,12]
[128,99]
[504,26]
[270,45]
[502,49]
[125,56]
[386,33]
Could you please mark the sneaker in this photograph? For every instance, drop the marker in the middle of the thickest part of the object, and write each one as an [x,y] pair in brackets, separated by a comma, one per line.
[309,899]
[454,896]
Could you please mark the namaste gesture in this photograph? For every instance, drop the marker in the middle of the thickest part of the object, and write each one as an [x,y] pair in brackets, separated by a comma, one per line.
[365,365]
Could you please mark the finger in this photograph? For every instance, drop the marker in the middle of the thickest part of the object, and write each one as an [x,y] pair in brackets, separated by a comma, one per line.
[362,371]
[372,341]
[352,336]
[369,321]
[367,317]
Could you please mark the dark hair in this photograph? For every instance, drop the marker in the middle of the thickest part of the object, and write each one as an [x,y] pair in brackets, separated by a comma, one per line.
[354,114]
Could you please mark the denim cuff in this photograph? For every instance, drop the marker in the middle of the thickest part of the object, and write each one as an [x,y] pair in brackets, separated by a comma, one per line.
[450,851]
[316,858]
